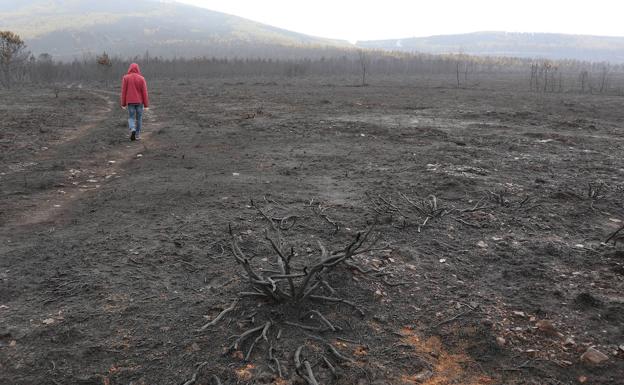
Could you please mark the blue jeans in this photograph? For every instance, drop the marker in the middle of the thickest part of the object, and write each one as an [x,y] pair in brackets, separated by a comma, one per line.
[135,118]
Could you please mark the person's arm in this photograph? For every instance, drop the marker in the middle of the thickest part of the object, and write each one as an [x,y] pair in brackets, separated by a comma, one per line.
[145,95]
[124,88]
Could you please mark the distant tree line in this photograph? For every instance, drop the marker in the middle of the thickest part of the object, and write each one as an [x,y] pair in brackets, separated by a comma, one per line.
[20,67]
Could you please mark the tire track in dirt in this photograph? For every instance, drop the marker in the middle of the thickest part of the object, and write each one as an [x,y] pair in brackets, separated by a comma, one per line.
[49,205]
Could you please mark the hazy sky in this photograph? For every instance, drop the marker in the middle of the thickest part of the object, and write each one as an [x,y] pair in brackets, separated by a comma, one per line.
[375,19]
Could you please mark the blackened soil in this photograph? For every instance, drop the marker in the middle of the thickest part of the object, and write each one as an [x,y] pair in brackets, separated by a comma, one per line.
[493,206]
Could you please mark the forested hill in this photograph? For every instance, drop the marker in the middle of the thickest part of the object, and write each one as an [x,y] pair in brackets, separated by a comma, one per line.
[527,45]
[69,29]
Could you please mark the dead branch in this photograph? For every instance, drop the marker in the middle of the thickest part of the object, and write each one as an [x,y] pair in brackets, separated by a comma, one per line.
[614,235]
[310,375]
[324,320]
[456,316]
[304,327]
[274,359]
[321,214]
[248,333]
[330,366]
[220,316]
[337,300]
[263,335]
[297,358]
[194,377]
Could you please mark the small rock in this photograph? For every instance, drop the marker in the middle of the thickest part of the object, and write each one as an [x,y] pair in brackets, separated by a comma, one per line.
[519,313]
[139,155]
[569,342]
[582,379]
[443,260]
[621,348]
[48,321]
[546,327]
[593,356]
[382,318]
[500,341]
[235,174]
[423,376]
[378,293]
[482,244]
[308,250]
[532,352]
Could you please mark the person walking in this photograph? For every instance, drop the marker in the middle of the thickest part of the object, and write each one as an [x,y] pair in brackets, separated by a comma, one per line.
[134,98]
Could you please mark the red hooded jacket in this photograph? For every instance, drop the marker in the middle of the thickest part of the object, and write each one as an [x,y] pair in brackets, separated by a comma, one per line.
[134,87]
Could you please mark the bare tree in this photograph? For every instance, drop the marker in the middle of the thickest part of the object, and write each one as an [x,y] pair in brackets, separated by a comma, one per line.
[534,77]
[604,78]
[104,62]
[363,65]
[45,68]
[12,55]
[546,68]
[584,79]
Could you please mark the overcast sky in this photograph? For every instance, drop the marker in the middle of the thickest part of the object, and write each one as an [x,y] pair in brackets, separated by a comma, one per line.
[368,20]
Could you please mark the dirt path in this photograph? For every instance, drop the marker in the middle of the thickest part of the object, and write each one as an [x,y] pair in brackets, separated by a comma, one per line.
[94,170]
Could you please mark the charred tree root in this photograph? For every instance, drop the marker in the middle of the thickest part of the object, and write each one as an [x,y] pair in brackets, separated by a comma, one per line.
[615,236]
[288,284]
[308,375]
[214,380]
[304,368]
[294,284]
[220,316]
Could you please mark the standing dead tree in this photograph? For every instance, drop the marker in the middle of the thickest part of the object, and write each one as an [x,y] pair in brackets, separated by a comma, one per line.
[12,55]
[105,64]
[604,78]
[363,60]
[584,80]
[546,67]
[534,82]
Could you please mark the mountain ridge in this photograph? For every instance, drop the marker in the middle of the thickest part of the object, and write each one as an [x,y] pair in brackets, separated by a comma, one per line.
[73,29]
[69,29]
[554,46]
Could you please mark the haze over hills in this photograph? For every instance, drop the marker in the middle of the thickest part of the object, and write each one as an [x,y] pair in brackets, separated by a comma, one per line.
[69,29]
[525,45]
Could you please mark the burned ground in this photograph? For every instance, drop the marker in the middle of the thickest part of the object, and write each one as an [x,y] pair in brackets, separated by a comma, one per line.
[492,205]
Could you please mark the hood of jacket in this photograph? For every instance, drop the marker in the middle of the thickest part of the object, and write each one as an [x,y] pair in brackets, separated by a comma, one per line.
[134,69]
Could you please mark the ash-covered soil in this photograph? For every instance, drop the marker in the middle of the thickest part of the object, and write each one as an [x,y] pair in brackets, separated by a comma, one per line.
[492,207]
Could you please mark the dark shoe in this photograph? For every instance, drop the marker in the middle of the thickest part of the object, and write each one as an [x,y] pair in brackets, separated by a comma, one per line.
[133,136]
